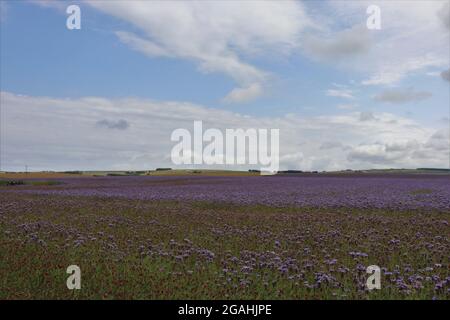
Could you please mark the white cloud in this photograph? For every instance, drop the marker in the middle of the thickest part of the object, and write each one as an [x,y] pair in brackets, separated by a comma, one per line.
[226,36]
[240,95]
[435,150]
[393,72]
[145,46]
[340,93]
[217,35]
[413,38]
[62,134]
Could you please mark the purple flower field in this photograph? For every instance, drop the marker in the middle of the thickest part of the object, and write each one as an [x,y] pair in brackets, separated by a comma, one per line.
[394,192]
[205,237]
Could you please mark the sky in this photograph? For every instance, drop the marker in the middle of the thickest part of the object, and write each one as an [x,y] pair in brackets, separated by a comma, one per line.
[108,96]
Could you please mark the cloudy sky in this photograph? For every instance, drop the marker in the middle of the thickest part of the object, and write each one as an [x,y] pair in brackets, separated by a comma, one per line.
[109,95]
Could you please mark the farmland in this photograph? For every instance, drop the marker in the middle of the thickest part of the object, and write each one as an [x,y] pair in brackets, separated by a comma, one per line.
[226,237]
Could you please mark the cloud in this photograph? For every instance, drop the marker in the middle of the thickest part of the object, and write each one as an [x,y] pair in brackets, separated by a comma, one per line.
[239,95]
[228,36]
[340,93]
[393,72]
[444,15]
[60,134]
[340,45]
[412,39]
[406,150]
[217,35]
[439,140]
[371,153]
[446,75]
[366,116]
[331,145]
[111,124]
[145,46]
[398,96]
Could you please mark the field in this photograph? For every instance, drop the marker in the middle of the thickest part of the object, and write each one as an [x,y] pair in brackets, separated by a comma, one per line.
[215,236]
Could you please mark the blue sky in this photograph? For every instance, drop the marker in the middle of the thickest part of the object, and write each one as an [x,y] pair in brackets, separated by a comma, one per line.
[305,60]
[42,57]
